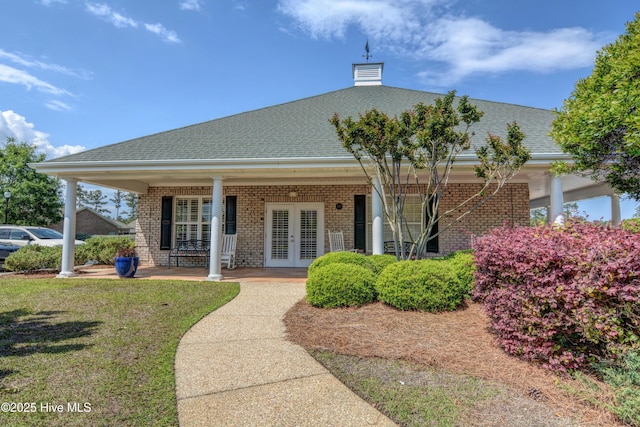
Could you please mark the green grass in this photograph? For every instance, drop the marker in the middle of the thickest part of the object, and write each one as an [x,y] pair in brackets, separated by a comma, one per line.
[411,395]
[107,343]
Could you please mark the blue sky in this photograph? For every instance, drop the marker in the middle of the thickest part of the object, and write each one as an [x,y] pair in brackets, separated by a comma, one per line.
[78,74]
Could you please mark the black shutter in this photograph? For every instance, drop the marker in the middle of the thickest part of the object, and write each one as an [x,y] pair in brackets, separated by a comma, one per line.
[165,222]
[432,244]
[230,215]
[360,222]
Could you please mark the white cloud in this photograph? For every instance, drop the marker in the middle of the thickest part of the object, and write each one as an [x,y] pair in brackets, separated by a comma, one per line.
[57,105]
[104,11]
[456,46]
[50,2]
[195,5]
[471,46]
[160,30]
[240,6]
[377,18]
[13,75]
[14,125]
[24,61]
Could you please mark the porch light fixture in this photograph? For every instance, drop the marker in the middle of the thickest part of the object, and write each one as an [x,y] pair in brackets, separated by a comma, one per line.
[7,196]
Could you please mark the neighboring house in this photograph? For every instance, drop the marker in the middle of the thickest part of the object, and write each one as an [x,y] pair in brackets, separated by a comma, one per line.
[280,178]
[90,222]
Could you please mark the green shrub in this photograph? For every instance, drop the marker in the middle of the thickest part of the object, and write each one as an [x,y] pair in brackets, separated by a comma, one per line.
[379,262]
[33,258]
[102,249]
[625,382]
[340,285]
[464,267]
[343,258]
[424,285]
[632,225]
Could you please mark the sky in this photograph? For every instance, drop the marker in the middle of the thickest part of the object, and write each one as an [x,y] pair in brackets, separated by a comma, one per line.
[79,74]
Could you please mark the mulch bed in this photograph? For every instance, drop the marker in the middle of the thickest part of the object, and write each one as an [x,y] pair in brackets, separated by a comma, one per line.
[458,341]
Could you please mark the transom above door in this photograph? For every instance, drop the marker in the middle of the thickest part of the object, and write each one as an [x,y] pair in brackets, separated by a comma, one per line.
[294,234]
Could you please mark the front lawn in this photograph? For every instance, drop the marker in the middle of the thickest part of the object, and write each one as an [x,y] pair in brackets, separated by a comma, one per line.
[96,352]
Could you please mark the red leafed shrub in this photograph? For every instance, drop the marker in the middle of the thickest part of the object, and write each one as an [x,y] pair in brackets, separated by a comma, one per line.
[565,297]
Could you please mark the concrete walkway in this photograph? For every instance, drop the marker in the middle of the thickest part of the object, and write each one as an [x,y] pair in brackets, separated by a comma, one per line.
[236,368]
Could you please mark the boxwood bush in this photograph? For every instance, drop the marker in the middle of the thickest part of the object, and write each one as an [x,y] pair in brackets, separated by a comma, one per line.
[564,296]
[632,224]
[464,266]
[340,285]
[379,262]
[102,249]
[424,285]
[343,257]
[31,258]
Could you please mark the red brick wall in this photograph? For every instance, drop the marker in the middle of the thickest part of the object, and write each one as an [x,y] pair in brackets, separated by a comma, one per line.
[511,205]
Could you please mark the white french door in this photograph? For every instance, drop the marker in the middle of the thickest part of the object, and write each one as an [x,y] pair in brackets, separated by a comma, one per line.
[294,234]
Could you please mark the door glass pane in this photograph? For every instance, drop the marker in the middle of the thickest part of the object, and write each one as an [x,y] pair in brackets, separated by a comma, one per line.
[308,234]
[280,234]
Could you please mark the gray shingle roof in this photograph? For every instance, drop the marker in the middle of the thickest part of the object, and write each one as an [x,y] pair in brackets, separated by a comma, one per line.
[300,129]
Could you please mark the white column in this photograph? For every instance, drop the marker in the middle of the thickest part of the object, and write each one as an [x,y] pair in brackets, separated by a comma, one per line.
[616,218]
[557,201]
[215,266]
[69,230]
[377,226]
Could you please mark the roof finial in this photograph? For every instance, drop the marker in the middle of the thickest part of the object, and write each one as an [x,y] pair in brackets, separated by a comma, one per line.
[366,48]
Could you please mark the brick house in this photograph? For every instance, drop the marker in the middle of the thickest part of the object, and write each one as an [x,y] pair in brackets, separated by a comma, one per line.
[90,222]
[279,178]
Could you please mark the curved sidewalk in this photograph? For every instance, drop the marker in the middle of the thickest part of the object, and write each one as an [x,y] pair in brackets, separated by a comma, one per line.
[236,368]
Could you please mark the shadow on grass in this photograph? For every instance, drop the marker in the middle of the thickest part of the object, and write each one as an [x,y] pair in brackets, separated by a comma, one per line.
[5,373]
[23,333]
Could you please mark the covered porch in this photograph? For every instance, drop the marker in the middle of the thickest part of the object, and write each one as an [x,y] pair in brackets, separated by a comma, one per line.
[241,274]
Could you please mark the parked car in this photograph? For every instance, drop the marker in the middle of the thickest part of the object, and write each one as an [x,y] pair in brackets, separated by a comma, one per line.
[5,251]
[19,235]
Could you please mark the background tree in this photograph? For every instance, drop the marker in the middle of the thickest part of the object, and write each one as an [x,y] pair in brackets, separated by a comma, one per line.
[81,197]
[428,138]
[93,199]
[36,199]
[131,202]
[117,200]
[599,124]
[538,216]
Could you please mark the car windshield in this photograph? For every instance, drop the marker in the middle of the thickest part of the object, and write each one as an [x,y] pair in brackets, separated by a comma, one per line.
[45,233]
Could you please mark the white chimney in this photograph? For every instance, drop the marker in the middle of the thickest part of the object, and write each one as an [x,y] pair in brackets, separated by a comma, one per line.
[369,74]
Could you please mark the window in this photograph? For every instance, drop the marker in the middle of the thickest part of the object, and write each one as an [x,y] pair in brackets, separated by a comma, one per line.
[193,218]
[413,216]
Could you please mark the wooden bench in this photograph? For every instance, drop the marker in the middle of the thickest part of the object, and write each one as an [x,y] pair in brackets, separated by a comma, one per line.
[201,248]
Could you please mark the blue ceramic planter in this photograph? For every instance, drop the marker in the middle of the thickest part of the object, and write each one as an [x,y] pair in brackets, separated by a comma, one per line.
[126,266]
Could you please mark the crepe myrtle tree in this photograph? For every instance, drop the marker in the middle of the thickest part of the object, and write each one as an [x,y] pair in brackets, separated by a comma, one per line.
[415,154]
[599,124]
